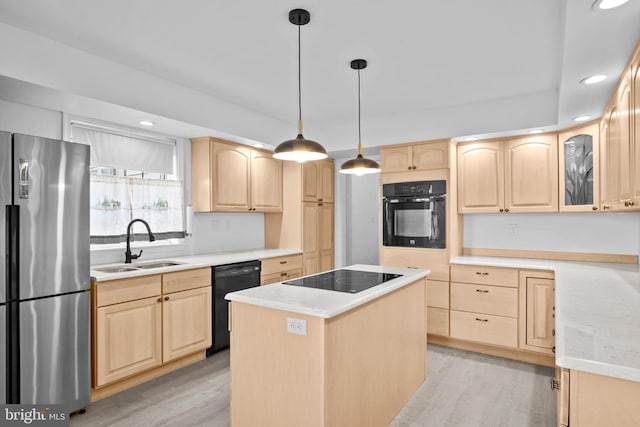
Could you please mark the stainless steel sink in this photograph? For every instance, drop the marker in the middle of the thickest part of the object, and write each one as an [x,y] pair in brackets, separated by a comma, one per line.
[158,264]
[117,269]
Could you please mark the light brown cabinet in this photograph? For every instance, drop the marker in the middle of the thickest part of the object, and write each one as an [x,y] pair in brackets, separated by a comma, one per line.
[282,268]
[635,90]
[306,222]
[515,175]
[537,326]
[141,324]
[579,169]
[228,177]
[484,305]
[317,181]
[424,156]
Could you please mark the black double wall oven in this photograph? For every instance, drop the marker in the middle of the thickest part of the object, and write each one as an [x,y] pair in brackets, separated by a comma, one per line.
[414,214]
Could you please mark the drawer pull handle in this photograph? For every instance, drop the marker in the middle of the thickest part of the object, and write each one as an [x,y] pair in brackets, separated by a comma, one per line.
[482,291]
[481,320]
[482,274]
[283,262]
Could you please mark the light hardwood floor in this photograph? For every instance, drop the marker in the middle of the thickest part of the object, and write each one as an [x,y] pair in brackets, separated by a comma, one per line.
[463,389]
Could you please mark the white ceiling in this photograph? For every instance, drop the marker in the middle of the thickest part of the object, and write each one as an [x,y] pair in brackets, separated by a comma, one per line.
[436,69]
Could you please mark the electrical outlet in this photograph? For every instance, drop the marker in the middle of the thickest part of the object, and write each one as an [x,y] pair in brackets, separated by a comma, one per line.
[513,230]
[297,326]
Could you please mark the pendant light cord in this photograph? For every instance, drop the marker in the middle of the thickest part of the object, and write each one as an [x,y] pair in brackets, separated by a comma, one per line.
[299,85]
[359,117]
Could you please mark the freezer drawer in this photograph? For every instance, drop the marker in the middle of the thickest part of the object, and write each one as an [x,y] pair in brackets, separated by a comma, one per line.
[54,351]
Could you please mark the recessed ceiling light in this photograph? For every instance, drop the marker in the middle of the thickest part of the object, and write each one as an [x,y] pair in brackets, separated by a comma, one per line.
[536,131]
[146,123]
[608,4]
[471,138]
[258,145]
[593,79]
[581,118]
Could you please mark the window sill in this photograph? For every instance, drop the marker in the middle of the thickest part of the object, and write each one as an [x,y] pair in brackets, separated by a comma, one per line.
[170,243]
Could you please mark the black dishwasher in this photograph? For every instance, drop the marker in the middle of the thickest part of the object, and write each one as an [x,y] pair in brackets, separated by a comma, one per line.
[229,278]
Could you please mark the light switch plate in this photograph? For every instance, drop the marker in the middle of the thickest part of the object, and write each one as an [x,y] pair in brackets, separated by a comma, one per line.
[297,326]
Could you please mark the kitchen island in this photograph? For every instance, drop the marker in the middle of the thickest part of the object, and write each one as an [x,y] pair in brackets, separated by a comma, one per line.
[314,357]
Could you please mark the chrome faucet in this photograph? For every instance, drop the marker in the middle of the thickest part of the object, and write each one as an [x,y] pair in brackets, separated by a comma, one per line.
[128,256]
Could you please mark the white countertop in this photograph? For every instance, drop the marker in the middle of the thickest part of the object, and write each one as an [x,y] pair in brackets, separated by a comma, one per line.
[189,262]
[597,309]
[321,302]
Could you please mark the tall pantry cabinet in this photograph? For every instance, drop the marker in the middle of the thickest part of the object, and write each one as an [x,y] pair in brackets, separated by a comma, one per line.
[307,218]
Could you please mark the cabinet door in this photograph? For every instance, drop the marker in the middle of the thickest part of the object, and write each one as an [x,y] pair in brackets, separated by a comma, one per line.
[605,195]
[326,236]
[310,238]
[433,155]
[613,159]
[266,182]
[395,159]
[540,313]
[480,177]
[579,161]
[562,400]
[231,177]
[128,339]
[531,174]
[623,132]
[186,323]
[325,181]
[310,184]
[636,126]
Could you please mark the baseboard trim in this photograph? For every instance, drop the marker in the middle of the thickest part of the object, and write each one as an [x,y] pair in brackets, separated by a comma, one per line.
[122,385]
[559,256]
[520,355]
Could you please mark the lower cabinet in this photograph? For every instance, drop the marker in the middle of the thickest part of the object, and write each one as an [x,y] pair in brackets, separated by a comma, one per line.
[590,400]
[537,327]
[438,307]
[279,269]
[144,323]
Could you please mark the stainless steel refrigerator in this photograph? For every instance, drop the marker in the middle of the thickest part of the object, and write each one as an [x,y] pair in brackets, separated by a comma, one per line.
[44,272]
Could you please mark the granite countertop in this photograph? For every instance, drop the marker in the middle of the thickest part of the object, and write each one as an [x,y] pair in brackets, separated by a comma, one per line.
[324,303]
[189,262]
[597,309]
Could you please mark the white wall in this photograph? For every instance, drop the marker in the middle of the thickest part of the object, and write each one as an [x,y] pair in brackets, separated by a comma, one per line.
[614,233]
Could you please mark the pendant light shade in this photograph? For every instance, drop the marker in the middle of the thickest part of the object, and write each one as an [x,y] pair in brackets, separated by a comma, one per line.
[360,165]
[299,149]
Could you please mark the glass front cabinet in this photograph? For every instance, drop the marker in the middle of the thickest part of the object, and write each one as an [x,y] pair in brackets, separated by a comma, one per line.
[579,178]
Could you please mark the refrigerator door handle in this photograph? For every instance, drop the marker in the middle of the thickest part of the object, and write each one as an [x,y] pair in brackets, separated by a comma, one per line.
[24,179]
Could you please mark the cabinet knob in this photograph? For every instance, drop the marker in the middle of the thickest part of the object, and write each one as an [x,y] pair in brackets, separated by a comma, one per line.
[320,200]
[605,207]
[631,203]
[159,299]
[409,168]
[501,210]
[506,210]
[595,208]
[166,298]
[320,204]
[413,167]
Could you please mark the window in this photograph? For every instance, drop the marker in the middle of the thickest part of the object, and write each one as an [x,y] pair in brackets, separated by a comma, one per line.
[132,176]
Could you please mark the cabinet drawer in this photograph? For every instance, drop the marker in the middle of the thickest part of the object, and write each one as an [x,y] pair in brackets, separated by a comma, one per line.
[438,321]
[186,279]
[484,275]
[117,291]
[437,294]
[267,279]
[484,328]
[281,263]
[497,300]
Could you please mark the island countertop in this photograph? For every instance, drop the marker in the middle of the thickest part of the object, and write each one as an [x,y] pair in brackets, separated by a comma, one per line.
[597,307]
[325,303]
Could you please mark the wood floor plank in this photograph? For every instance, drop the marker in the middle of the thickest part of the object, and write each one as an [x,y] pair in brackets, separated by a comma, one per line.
[463,389]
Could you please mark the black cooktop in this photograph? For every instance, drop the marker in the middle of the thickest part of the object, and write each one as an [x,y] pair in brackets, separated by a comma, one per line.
[350,281]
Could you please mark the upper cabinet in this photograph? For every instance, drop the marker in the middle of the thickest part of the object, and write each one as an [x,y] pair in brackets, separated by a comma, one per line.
[619,143]
[317,181]
[228,177]
[516,175]
[579,168]
[423,156]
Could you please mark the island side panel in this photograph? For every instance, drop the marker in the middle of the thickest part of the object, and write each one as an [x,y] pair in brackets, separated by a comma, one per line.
[277,378]
[376,358]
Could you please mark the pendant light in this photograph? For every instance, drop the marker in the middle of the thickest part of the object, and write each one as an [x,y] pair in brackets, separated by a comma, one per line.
[360,165]
[299,149]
